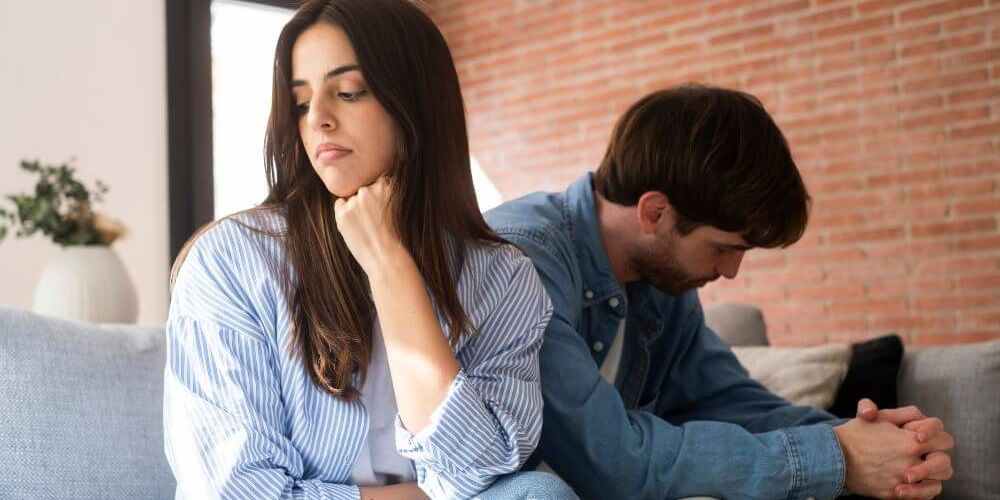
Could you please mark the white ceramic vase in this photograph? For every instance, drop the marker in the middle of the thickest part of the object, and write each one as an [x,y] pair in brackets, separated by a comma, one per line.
[87,283]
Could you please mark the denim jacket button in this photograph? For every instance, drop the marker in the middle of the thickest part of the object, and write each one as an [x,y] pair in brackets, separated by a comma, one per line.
[614,302]
[598,346]
[588,294]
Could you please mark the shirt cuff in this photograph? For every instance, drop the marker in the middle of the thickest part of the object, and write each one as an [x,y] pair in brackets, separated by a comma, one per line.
[461,429]
[817,461]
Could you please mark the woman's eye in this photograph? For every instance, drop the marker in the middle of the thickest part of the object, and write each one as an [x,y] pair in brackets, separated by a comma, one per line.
[302,108]
[352,96]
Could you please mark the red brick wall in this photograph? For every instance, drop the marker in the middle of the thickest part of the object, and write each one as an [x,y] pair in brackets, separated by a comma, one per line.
[891,109]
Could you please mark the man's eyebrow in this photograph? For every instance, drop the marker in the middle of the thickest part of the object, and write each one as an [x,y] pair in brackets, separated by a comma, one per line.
[330,74]
[739,248]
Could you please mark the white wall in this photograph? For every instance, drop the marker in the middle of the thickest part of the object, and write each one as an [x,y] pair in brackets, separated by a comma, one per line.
[87,78]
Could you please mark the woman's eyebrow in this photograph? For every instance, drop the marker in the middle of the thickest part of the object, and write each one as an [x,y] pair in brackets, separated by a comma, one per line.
[330,74]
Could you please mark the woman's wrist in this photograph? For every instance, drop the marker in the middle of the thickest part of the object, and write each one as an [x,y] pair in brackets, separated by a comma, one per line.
[392,265]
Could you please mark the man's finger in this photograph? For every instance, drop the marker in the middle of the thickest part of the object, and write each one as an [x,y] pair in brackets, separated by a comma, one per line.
[926,489]
[902,416]
[867,410]
[942,442]
[926,429]
[936,467]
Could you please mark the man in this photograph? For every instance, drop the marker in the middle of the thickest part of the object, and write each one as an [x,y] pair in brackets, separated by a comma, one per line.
[692,179]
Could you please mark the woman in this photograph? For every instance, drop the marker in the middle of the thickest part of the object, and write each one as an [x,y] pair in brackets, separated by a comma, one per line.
[362,332]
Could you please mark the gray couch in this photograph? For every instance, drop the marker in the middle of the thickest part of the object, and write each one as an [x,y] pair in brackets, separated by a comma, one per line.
[81,415]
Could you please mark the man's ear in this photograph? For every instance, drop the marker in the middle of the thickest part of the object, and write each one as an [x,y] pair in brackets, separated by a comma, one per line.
[653,209]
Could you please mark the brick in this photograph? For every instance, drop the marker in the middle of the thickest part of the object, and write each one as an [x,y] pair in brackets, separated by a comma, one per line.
[986,129]
[975,169]
[869,306]
[892,37]
[776,10]
[937,9]
[972,95]
[944,82]
[942,45]
[903,177]
[954,301]
[977,243]
[912,321]
[833,291]
[972,20]
[949,190]
[976,320]
[957,227]
[879,5]
[952,338]
[977,207]
[982,282]
[825,17]
[957,266]
[855,27]
[974,58]
[943,118]
[742,34]
[911,286]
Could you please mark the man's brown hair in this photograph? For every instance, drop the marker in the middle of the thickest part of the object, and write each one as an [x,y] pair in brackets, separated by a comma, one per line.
[718,157]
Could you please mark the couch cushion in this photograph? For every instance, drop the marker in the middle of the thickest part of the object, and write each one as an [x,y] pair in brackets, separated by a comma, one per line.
[82,410]
[737,324]
[961,385]
[872,374]
[803,375]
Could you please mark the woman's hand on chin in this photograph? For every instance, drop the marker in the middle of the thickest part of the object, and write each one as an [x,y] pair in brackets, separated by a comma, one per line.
[369,229]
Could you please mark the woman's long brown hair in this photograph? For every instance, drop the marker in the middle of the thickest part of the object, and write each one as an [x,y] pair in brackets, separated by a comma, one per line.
[409,70]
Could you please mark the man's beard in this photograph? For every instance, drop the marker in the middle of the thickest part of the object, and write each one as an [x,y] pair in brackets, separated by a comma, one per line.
[662,270]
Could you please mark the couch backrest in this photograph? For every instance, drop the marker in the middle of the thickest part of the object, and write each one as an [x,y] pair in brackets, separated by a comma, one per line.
[82,409]
[960,384]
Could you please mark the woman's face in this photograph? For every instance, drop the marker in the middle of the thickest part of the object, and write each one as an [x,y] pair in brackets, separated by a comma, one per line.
[350,138]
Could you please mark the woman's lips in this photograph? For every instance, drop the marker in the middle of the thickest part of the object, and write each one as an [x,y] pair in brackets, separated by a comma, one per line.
[332,154]
[329,151]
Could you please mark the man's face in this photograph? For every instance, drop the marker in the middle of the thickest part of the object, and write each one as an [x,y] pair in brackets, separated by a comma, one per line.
[675,264]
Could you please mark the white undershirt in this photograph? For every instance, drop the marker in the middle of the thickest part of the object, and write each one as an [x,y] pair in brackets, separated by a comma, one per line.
[609,368]
[378,462]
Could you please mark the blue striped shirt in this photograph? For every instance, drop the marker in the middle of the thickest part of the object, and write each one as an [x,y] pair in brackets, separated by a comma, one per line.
[242,418]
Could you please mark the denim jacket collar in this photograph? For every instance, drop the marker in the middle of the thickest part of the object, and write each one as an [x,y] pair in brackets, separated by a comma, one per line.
[580,211]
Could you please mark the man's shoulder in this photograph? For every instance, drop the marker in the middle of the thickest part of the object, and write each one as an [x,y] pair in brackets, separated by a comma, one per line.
[536,217]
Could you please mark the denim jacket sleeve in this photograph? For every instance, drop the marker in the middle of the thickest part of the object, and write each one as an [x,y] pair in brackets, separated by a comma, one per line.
[716,386]
[607,451]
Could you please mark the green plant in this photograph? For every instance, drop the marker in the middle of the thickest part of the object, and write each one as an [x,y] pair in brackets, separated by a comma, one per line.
[60,208]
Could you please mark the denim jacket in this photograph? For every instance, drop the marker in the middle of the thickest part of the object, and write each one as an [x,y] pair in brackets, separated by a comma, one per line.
[683,417]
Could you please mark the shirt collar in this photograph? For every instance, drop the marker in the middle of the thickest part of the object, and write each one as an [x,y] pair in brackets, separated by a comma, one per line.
[595,269]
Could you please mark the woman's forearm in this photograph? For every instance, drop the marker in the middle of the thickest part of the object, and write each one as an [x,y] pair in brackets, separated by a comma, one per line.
[419,356]
[405,491]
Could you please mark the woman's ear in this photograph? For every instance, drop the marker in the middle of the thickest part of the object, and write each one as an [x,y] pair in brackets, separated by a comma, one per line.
[653,211]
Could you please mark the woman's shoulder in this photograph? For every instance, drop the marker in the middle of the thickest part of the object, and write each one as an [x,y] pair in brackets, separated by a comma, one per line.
[226,273]
[243,247]
[494,273]
[497,260]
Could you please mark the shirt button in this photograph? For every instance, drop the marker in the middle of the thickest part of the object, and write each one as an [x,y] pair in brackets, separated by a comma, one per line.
[588,294]
[614,302]
[811,498]
[598,346]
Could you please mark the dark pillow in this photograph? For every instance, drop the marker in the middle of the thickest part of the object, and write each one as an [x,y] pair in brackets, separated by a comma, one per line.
[871,374]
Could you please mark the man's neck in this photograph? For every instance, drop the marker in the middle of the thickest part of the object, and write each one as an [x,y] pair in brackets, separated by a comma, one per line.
[617,227]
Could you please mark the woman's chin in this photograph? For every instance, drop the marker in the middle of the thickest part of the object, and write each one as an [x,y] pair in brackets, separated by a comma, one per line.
[342,188]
